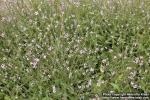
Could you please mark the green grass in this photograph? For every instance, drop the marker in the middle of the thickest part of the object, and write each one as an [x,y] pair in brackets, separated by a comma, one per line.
[77,51]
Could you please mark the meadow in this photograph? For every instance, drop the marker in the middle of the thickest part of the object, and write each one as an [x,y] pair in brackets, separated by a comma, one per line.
[70,50]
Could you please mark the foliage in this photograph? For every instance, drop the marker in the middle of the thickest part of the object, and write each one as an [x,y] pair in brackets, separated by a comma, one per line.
[74,50]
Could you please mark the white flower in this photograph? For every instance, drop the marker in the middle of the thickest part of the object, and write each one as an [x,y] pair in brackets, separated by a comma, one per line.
[66,35]
[36,13]
[102,69]
[101,12]
[50,48]
[120,55]
[4,0]
[82,51]
[104,60]
[102,49]
[141,63]
[78,26]
[92,69]
[97,49]
[125,57]
[129,68]
[70,75]
[137,60]
[110,50]
[67,62]
[135,86]
[115,57]
[54,89]
[135,44]
[100,82]
[2,66]
[68,68]
[2,35]
[111,91]
[141,57]
[79,87]
[44,56]
[85,65]
[34,62]
[89,83]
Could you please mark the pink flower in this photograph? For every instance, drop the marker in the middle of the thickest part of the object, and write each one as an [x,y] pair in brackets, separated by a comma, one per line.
[34,62]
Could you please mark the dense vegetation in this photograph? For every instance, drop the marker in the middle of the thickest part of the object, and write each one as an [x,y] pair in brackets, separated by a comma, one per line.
[74,50]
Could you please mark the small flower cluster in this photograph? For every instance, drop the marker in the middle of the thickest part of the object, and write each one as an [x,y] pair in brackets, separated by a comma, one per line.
[139,61]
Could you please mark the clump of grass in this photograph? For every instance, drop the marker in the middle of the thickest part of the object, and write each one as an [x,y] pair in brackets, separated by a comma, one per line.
[74,50]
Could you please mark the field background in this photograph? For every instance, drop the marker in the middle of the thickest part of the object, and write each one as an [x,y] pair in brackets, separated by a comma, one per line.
[73,50]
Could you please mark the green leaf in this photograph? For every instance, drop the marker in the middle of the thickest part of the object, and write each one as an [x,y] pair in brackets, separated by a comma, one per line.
[115,86]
